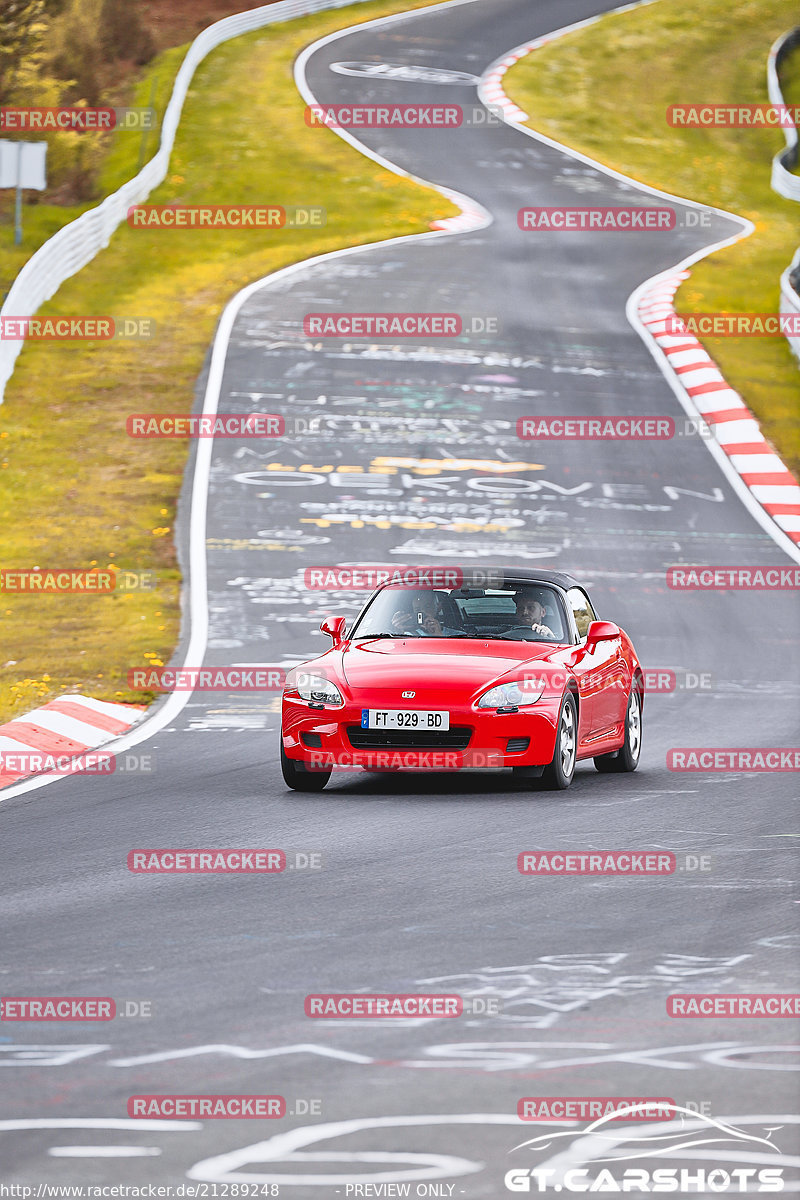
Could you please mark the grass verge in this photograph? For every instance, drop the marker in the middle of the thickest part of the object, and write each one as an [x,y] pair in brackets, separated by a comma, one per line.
[604,90]
[75,491]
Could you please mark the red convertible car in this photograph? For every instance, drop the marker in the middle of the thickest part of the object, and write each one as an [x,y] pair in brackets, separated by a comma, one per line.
[518,672]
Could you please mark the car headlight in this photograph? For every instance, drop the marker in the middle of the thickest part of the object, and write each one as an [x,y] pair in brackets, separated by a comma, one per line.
[316,689]
[512,695]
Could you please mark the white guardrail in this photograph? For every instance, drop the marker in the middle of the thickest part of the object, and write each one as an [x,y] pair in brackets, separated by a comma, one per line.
[77,243]
[784,182]
[790,300]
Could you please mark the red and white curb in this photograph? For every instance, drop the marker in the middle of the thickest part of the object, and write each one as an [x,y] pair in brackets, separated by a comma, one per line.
[472,216]
[492,93]
[731,423]
[491,87]
[64,728]
[733,427]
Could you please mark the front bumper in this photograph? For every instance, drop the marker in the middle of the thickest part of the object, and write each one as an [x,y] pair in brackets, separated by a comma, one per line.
[332,737]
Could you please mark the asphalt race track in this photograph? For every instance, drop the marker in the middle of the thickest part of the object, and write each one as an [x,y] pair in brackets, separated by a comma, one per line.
[418,888]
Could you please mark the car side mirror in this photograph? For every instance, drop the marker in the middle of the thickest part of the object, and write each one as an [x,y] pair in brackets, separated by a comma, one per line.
[334,627]
[602,631]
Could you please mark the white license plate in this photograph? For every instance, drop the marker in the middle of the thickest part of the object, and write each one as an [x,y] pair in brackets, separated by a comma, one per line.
[404,718]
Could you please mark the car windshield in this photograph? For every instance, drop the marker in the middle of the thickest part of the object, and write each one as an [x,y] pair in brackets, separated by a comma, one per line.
[523,611]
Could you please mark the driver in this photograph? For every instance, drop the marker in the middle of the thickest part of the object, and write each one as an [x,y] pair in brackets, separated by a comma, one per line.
[405,617]
[531,609]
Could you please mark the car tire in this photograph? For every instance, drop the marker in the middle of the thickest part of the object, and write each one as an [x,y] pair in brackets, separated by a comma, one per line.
[559,774]
[627,757]
[298,777]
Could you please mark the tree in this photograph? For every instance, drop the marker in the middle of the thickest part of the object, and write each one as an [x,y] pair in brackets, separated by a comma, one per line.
[23,26]
[122,34]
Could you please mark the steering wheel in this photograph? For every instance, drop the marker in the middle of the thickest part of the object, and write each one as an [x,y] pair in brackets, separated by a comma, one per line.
[535,637]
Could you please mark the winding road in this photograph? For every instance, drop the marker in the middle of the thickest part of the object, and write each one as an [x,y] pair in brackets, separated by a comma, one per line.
[410,454]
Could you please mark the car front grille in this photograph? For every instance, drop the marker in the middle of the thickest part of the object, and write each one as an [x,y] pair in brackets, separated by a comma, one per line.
[456,738]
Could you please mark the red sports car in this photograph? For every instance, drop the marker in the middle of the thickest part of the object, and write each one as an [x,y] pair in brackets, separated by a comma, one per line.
[512,668]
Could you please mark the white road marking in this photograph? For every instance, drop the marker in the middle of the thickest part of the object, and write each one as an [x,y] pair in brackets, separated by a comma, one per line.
[241,1052]
[133,1123]
[287,1148]
[104,1151]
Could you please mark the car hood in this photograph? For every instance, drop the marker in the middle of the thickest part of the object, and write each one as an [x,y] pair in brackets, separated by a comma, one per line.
[437,664]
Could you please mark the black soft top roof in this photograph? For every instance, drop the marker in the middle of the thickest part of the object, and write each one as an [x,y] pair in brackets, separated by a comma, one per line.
[491,576]
[539,575]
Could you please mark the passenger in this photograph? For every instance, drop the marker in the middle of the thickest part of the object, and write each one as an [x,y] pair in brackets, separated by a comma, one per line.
[406,620]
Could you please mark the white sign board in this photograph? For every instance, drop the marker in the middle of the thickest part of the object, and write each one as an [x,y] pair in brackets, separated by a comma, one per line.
[22,164]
